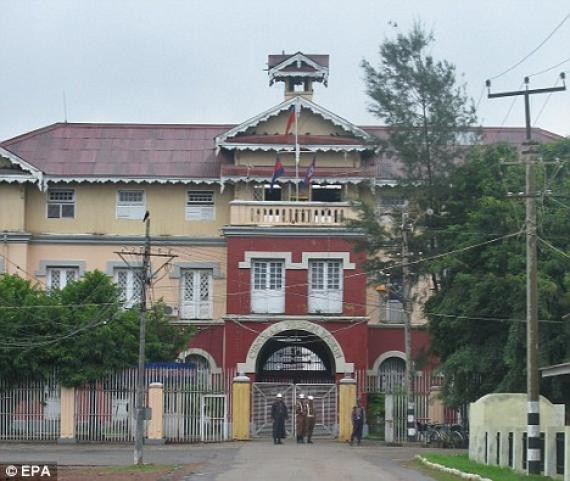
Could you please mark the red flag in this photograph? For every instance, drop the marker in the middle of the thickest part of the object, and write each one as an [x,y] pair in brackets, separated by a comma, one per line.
[292,118]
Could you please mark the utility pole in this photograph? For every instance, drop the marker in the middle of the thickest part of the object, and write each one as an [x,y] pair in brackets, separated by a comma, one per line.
[411,421]
[530,160]
[139,400]
[141,412]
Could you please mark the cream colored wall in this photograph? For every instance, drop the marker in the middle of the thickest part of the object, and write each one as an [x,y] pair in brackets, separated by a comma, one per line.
[324,160]
[308,123]
[12,206]
[97,257]
[95,211]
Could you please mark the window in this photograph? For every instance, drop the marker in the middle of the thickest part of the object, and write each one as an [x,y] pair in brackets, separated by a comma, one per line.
[394,311]
[130,283]
[130,204]
[61,204]
[326,193]
[265,192]
[391,374]
[196,295]
[59,277]
[200,205]
[325,293]
[267,294]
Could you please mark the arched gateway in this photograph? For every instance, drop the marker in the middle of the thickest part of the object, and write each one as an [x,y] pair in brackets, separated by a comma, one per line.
[294,357]
[307,334]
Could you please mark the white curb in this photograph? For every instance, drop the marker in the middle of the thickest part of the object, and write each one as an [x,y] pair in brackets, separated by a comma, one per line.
[445,469]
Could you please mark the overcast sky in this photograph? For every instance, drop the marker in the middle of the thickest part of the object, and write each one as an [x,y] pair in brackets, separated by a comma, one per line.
[202,61]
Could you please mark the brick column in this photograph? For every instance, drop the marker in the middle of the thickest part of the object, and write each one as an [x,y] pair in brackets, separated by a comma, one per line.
[347,400]
[67,416]
[156,404]
[241,407]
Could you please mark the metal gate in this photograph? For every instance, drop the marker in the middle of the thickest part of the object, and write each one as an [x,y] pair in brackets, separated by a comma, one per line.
[325,403]
[213,418]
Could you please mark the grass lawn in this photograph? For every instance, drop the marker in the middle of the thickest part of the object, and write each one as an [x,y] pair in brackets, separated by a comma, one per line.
[462,462]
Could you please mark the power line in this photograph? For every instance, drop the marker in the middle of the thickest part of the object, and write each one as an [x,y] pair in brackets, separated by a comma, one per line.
[544,104]
[549,69]
[556,249]
[532,51]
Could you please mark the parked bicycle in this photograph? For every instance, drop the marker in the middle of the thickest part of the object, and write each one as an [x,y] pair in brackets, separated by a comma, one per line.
[443,435]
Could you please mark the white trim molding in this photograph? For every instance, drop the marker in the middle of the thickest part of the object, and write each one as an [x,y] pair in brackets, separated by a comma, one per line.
[15,160]
[382,357]
[286,105]
[305,258]
[205,354]
[341,366]
[214,266]
[45,265]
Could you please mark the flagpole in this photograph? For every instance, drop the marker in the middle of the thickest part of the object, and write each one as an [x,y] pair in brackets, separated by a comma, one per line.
[297,152]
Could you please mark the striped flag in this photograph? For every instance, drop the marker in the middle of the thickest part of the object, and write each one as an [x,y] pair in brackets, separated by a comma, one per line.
[309,174]
[278,171]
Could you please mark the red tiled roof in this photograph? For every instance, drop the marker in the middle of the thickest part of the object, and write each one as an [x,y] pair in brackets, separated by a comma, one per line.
[173,151]
[273,60]
[121,150]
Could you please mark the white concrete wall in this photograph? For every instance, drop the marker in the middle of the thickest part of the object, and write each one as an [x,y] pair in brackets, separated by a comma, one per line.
[507,413]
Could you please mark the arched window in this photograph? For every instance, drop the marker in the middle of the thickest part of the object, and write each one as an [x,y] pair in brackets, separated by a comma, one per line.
[294,358]
[200,362]
[391,374]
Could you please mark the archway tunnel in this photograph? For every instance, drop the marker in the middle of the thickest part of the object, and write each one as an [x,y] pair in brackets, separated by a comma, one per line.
[295,356]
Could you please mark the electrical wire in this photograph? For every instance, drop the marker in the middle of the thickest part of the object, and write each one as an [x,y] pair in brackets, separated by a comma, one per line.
[545,104]
[532,52]
[555,249]
[549,69]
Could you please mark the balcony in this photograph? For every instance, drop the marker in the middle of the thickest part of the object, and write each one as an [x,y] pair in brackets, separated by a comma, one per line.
[306,214]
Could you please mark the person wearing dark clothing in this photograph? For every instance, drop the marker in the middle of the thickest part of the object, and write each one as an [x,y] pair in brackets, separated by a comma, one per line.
[300,414]
[310,419]
[279,415]
[357,423]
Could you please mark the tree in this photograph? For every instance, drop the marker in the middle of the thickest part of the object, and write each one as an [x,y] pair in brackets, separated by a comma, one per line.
[428,117]
[81,331]
[477,319]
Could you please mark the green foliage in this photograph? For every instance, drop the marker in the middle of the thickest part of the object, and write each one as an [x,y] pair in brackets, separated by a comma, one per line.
[419,100]
[81,331]
[429,117]
[496,473]
[483,355]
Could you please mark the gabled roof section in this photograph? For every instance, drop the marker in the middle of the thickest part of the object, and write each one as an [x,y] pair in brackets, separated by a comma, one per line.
[86,152]
[228,140]
[298,64]
[23,171]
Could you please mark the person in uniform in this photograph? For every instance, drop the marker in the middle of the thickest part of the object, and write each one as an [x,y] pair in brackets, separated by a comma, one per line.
[310,419]
[357,423]
[279,415]
[300,414]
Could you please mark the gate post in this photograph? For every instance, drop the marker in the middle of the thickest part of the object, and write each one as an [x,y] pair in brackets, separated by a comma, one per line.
[347,399]
[67,415]
[156,404]
[241,407]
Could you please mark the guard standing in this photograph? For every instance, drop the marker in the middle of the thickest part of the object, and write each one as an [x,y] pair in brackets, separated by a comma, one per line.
[357,423]
[300,414]
[310,420]
[279,415]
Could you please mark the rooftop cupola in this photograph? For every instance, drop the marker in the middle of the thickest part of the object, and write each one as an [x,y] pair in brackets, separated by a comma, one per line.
[298,71]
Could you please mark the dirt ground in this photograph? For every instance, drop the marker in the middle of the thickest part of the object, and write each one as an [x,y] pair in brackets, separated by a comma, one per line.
[127,473]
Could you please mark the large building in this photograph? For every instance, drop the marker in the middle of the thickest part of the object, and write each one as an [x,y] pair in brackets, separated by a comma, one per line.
[265,268]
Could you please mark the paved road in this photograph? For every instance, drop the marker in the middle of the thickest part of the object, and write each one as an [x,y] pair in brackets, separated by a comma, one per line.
[248,461]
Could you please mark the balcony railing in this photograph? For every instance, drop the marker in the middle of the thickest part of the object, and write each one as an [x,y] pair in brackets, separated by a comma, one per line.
[243,212]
